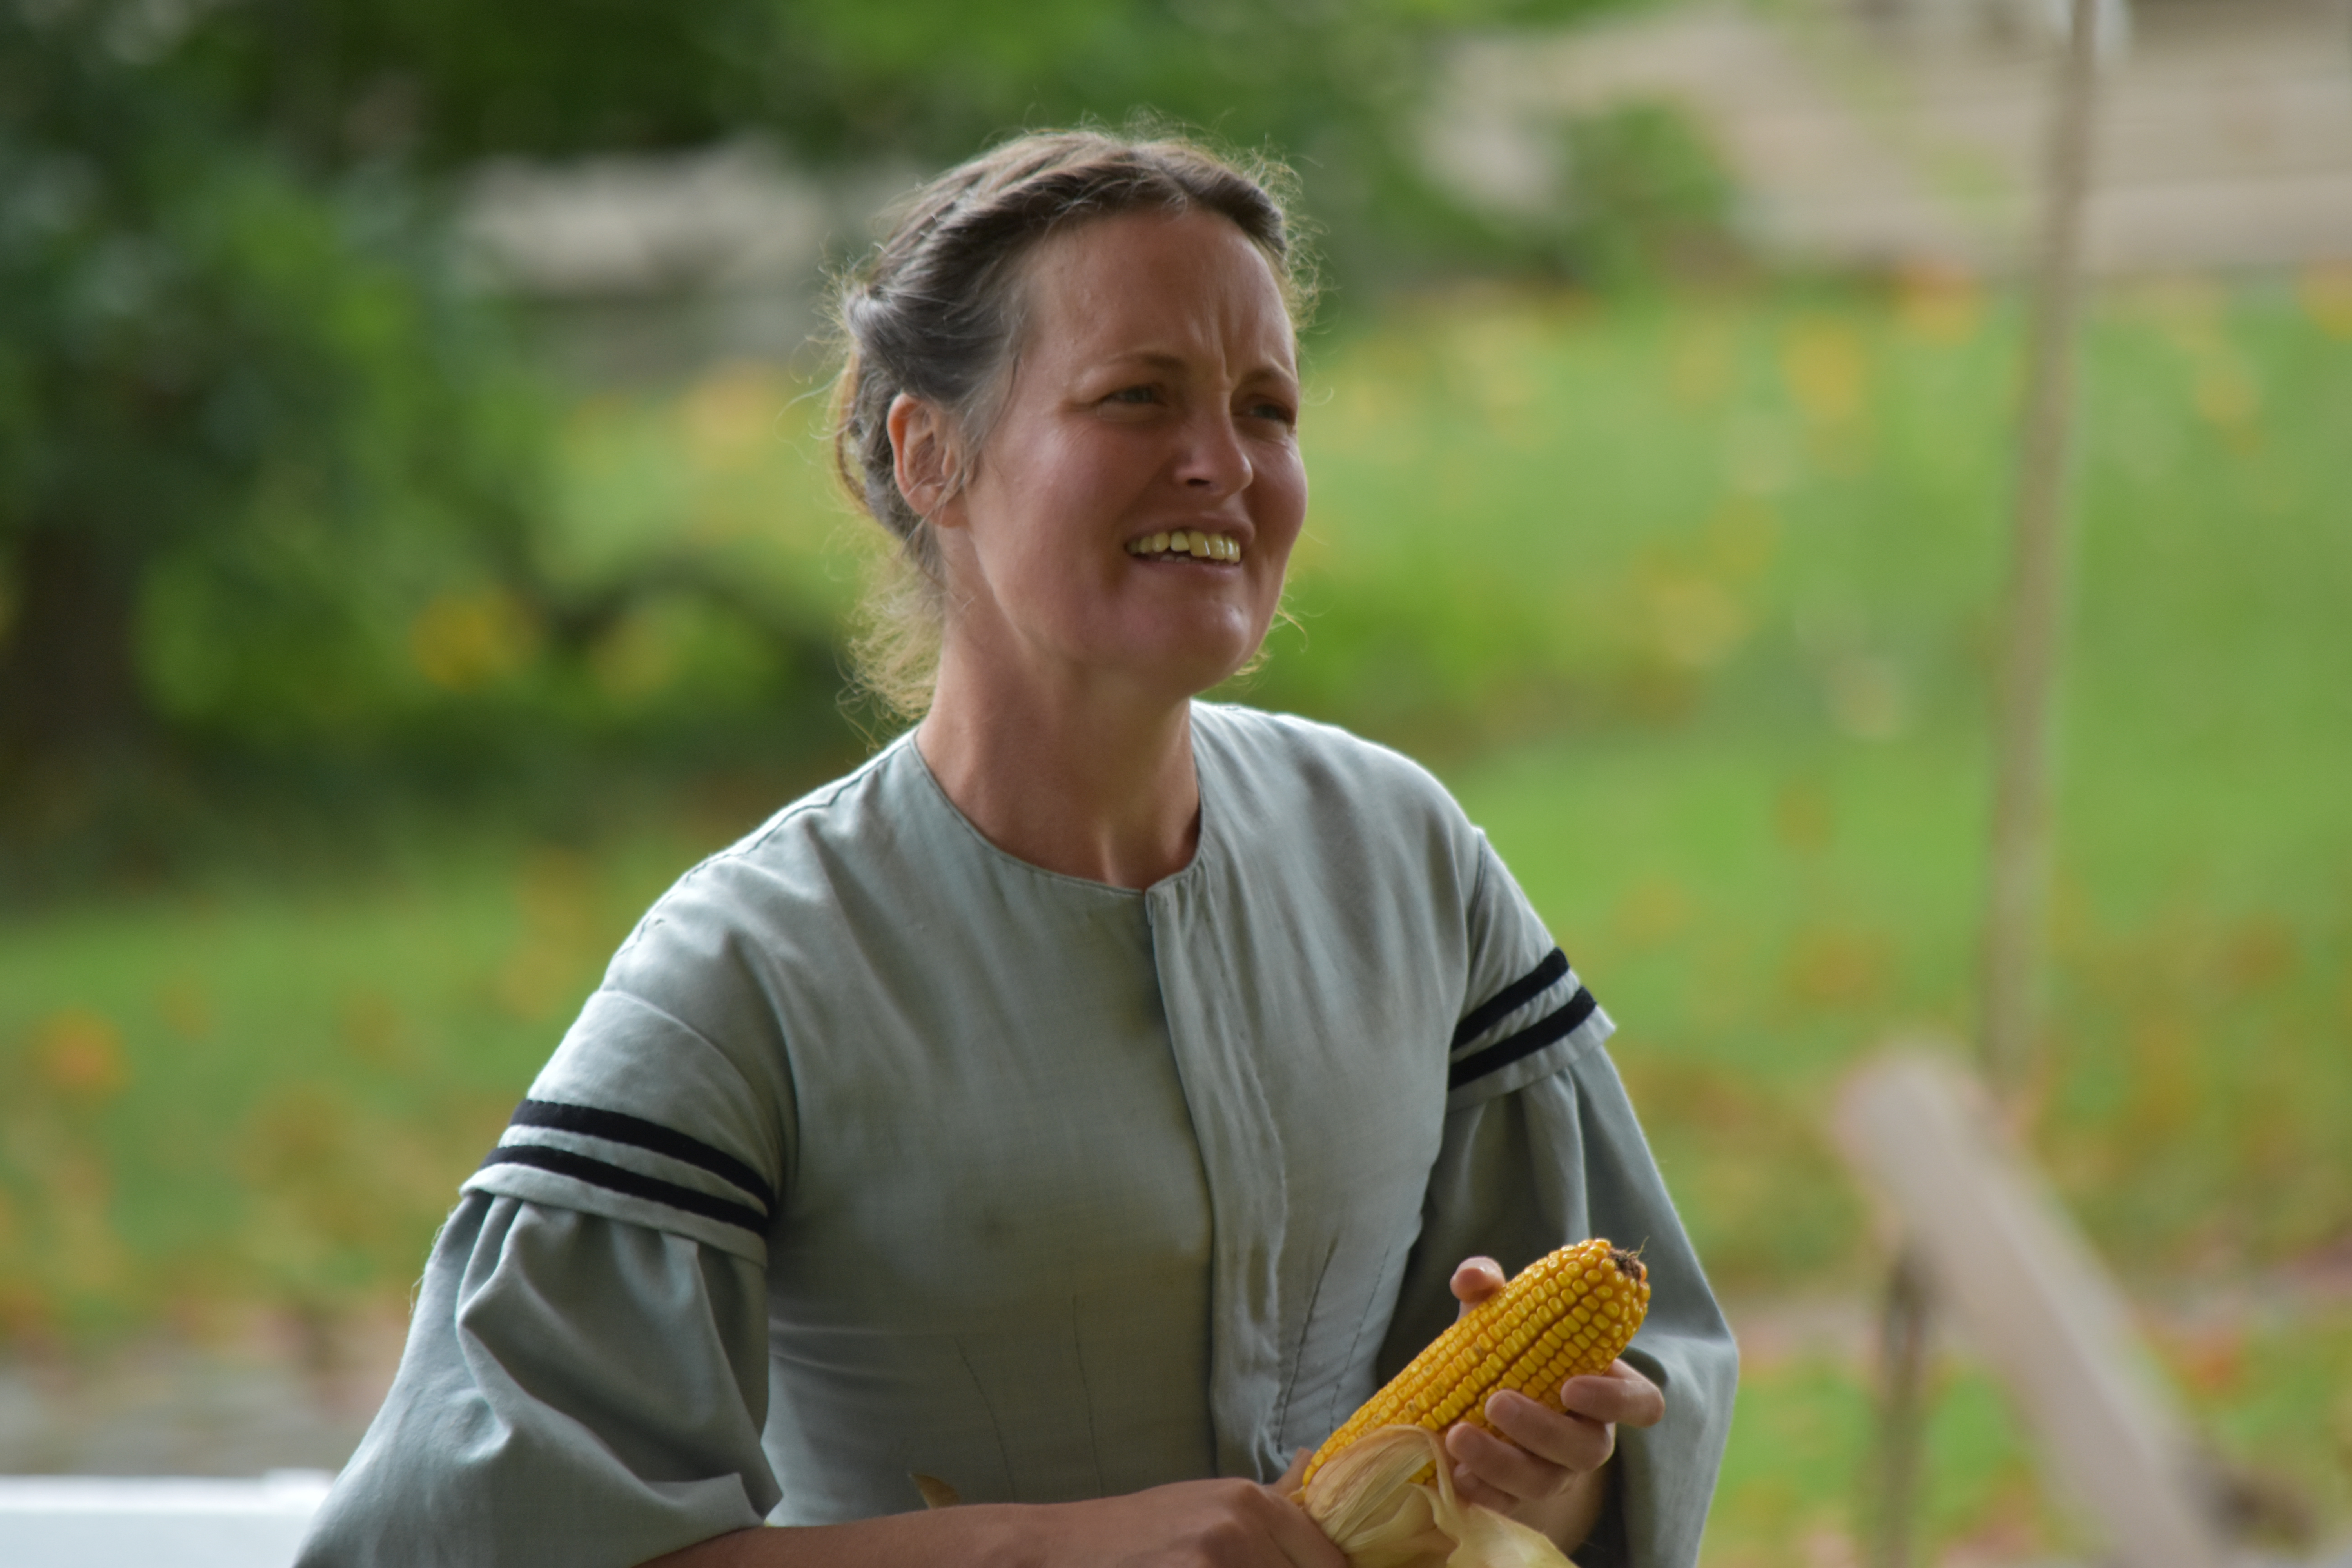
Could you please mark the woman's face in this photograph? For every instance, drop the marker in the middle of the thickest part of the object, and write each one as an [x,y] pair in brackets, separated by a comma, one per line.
[1154,399]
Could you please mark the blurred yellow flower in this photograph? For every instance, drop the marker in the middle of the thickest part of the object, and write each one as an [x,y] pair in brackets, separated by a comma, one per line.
[80,1053]
[2327,296]
[1939,304]
[1827,370]
[466,640]
[731,416]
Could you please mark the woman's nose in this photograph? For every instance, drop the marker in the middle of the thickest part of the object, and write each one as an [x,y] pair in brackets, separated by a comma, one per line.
[1214,461]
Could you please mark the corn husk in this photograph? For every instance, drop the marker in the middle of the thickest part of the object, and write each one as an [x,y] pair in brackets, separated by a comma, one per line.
[1379,1516]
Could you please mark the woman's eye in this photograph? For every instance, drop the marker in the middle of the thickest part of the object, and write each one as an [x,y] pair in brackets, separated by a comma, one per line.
[1280,413]
[1138,395]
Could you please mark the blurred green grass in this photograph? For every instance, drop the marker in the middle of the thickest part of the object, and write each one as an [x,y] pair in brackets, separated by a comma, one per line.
[1691,601]
[1772,858]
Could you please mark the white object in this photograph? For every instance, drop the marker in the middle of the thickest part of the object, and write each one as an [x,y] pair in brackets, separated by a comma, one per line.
[108,1521]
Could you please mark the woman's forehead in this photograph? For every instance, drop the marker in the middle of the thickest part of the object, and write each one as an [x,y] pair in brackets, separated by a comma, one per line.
[1157,284]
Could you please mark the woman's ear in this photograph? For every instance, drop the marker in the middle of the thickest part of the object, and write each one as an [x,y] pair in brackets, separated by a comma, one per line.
[922,456]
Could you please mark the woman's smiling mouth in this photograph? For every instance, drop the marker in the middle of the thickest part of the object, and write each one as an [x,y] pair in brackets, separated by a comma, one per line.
[1185,543]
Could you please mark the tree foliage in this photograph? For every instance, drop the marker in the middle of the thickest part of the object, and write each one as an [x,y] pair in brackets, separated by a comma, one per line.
[226,382]
[250,428]
[1334,84]
[835,78]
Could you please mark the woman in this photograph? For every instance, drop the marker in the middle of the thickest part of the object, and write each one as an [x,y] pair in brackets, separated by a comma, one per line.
[1086,1102]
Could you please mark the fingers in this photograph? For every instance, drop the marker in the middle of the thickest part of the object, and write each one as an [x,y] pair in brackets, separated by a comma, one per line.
[1471,1487]
[1496,1470]
[1549,1438]
[1474,1279]
[1294,1478]
[1301,1540]
[1534,1453]
[1620,1395]
[1235,1524]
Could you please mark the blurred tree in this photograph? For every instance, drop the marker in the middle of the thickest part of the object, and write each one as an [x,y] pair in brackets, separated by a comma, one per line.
[1334,84]
[249,425]
[208,355]
[1647,198]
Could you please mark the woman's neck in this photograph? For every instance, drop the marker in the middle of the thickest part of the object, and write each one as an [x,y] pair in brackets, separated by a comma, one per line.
[1087,781]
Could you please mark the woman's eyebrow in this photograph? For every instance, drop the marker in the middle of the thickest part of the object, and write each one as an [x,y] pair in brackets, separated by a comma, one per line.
[1157,359]
[1164,362]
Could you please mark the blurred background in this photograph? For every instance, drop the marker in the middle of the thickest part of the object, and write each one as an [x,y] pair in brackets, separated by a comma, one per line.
[418,547]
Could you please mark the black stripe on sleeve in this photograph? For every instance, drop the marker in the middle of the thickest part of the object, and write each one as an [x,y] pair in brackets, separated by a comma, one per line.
[597,1173]
[616,1127]
[1512,997]
[1525,1042]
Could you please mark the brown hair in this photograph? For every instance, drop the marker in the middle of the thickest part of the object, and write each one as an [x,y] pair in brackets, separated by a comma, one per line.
[935,312]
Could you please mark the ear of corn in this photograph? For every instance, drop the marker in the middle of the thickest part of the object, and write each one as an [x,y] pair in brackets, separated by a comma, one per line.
[1567,1314]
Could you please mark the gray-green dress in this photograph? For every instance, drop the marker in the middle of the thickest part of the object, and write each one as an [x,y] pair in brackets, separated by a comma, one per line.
[881,1152]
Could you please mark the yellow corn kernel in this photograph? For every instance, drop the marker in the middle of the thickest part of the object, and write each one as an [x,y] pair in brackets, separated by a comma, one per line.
[1533,1335]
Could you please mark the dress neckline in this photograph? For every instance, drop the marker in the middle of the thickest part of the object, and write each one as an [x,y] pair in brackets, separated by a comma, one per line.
[1203,845]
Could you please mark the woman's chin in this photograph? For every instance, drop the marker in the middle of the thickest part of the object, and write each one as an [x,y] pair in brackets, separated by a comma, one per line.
[1188,669]
[1180,658]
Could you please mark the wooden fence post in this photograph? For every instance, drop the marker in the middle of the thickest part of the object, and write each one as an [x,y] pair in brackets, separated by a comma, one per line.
[2008,1263]
[2018,864]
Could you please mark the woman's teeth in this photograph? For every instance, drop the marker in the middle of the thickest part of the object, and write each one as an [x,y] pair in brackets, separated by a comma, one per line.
[1188,541]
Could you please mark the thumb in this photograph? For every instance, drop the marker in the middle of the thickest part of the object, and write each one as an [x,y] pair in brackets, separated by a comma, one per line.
[1475,1279]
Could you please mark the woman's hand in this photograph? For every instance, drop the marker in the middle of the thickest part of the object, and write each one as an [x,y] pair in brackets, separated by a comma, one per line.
[1193,1524]
[1187,1524]
[1549,1472]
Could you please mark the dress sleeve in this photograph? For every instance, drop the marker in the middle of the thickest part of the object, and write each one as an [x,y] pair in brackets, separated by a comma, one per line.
[667,1105]
[1542,1149]
[576,1389]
